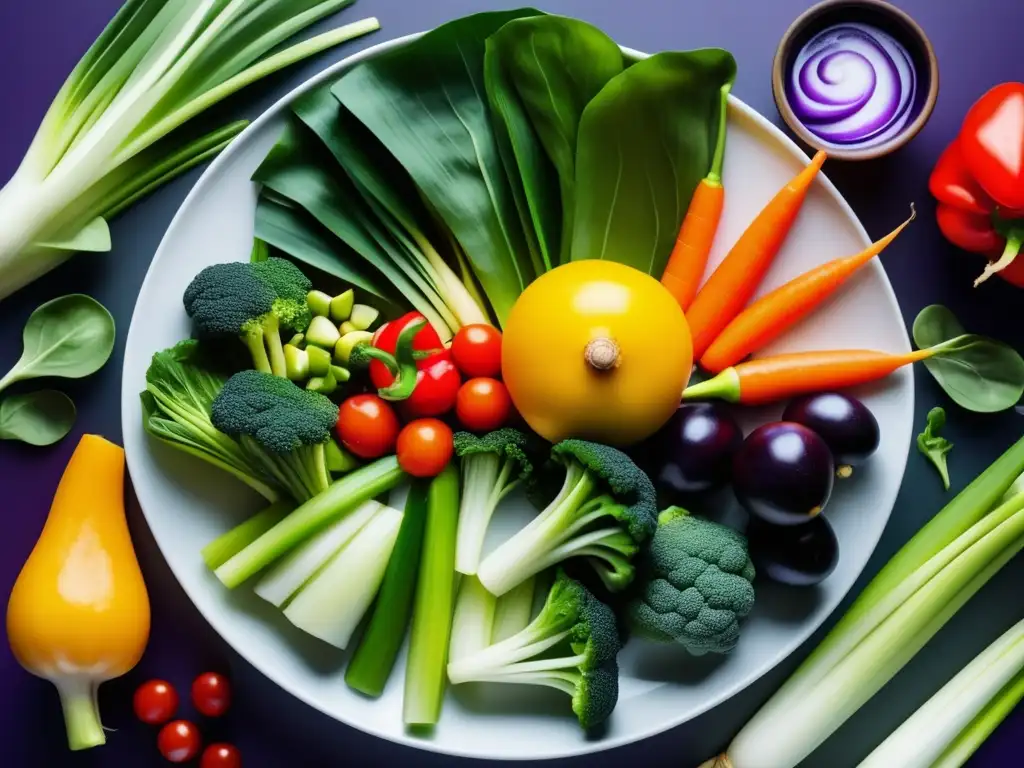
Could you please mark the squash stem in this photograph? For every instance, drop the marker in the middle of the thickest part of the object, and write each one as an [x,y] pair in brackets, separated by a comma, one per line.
[81,713]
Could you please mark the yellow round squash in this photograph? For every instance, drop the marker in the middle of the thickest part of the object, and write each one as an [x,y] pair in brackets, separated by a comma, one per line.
[596,350]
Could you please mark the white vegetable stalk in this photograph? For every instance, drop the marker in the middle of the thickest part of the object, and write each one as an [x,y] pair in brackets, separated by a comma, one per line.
[925,737]
[158,64]
[473,621]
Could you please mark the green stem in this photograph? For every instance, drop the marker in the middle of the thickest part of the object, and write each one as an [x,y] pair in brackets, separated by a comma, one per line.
[982,726]
[714,176]
[229,544]
[81,713]
[724,386]
[1014,240]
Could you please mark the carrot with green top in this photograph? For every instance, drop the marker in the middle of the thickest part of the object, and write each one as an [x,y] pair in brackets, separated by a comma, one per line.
[771,315]
[736,279]
[689,257]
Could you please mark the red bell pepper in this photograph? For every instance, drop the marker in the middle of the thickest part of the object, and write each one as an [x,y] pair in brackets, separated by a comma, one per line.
[979,183]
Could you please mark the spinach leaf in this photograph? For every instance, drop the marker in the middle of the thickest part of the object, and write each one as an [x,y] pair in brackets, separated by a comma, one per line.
[645,142]
[425,102]
[933,446]
[978,373]
[541,72]
[36,418]
[70,337]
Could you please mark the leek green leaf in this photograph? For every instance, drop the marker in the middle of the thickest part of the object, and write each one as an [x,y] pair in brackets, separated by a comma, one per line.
[93,237]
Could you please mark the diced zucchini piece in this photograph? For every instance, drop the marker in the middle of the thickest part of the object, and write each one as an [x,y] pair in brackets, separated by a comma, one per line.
[296,363]
[363,316]
[319,361]
[341,306]
[319,303]
[322,332]
[347,343]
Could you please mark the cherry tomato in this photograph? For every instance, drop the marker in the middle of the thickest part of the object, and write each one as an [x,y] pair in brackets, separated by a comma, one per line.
[424,447]
[221,756]
[155,702]
[367,426]
[477,350]
[483,404]
[211,694]
[179,741]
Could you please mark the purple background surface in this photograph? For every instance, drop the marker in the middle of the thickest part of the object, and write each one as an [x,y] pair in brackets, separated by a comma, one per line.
[977,45]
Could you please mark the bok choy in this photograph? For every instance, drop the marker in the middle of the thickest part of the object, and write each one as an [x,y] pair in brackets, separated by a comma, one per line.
[112,133]
[913,596]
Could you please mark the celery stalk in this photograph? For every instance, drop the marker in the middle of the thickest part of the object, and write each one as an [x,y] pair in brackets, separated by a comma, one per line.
[435,599]
[981,727]
[229,544]
[374,658]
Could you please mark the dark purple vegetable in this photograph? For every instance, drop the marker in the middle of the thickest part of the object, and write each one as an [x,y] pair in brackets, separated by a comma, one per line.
[783,473]
[848,428]
[693,452]
[799,555]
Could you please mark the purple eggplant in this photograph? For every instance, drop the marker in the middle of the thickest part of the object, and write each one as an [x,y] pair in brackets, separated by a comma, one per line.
[848,428]
[693,452]
[783,473]
[799,555]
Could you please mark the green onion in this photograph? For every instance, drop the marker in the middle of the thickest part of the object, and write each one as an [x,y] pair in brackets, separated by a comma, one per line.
[112,133]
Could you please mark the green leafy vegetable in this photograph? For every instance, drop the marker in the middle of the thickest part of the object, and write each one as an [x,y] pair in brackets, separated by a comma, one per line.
[541,72]
[645,142]
[110,135]
[425,102]
[933,446]
[37,418]
[978,373]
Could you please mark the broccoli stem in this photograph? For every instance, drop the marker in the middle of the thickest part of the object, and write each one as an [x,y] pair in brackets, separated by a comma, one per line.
[343,495]
[514,610]
[274,346]
[480,475]
[374,658]
[473,622]
[253,340]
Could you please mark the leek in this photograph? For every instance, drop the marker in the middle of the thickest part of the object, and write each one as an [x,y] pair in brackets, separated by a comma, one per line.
[913,596]
[937,732]
[112,133]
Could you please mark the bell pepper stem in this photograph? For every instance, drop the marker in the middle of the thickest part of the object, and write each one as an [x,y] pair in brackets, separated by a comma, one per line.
[401,365]
[81,714]
[1014,240]
[724,386]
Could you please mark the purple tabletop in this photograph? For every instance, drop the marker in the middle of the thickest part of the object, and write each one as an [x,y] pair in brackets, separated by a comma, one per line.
[978,45]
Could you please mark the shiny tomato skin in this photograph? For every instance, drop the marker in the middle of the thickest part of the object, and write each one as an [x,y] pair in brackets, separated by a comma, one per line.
[425,447]
[155,702]
[367,426]
[477,350]
[221,756]
[211,694]
[179,741]
[483,405]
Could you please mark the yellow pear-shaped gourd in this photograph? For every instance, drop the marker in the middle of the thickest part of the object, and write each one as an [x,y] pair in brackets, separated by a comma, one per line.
[79,612]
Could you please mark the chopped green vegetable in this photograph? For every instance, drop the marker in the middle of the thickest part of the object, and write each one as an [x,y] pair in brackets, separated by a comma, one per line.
[341,306]
[604,511]
[227,545]
[319,360]
[434,603]
[347,327]
[935,447]
[348,342]
[571,646]
[696,584]
[338,460]
[296,363]
[323,333]
[375,656]
[319,303]
[324,385]
[363,316]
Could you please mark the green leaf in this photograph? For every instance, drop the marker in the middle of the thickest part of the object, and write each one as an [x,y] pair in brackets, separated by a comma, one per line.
[978,373]
[933,446]
[645,142]
[541,72]
[425,102]
[36,418]
[70,337]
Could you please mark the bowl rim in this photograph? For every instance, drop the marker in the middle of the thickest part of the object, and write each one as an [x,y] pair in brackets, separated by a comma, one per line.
[804,20]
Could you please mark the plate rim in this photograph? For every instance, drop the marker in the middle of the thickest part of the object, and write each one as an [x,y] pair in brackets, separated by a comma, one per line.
[129,400]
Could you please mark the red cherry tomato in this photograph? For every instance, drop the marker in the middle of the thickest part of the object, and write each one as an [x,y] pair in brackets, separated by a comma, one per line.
[221,756]
[155,702]
[425,447]
[179,741]
[477,350]
[211,694]
[367,426]
[483,404]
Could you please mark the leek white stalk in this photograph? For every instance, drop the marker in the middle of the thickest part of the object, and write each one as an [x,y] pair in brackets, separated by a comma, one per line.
[902,608]
[926,735]
[112,132]
[473,619]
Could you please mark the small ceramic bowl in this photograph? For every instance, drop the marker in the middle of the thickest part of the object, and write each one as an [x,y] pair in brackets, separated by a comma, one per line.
[880,15]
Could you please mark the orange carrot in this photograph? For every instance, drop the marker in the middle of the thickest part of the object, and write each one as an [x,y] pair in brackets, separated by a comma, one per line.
[734,281]
[767,379]
[689,257]
[768,317]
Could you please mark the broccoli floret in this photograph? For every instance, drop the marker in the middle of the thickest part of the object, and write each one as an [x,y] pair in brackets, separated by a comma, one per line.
[254,302]
[492,467]
[604,511]
[176,408]
[572,646]
[282,426]
[696,584]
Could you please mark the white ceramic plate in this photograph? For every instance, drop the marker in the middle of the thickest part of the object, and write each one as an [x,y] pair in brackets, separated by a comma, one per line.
[188,503]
